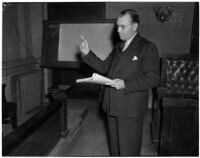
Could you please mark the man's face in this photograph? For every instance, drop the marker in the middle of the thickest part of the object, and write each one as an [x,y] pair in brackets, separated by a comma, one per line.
[126,28]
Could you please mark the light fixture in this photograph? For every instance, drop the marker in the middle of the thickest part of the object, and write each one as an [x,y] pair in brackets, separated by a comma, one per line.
[163,14]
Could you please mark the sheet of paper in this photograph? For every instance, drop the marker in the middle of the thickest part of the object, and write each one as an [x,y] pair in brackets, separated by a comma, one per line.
[96,78]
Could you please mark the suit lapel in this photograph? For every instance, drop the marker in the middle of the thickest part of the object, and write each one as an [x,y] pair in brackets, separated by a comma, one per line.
[127,55]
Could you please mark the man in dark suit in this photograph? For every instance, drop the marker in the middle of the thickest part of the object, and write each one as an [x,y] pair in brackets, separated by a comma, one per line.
[134,69]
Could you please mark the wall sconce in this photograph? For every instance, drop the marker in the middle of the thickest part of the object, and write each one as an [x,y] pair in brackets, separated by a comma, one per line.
[163,15]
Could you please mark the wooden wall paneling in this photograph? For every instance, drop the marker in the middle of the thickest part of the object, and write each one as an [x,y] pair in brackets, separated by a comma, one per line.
[179,127]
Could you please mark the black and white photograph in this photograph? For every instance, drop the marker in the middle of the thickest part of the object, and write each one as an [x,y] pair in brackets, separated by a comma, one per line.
[100,78]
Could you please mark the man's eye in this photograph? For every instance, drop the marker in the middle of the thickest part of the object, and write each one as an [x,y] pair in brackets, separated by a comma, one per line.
[122,27]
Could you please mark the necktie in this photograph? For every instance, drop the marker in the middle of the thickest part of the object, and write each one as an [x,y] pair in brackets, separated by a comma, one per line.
[122,46]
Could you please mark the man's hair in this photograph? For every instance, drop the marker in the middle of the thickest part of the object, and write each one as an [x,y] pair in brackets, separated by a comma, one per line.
[133,14]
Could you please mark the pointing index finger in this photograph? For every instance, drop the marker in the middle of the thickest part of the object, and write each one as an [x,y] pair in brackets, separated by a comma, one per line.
[83,38]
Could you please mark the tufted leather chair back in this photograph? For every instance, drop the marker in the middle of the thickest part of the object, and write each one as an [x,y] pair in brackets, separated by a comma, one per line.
[180,75]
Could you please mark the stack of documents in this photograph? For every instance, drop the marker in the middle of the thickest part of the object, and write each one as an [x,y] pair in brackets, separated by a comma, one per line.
[96,78]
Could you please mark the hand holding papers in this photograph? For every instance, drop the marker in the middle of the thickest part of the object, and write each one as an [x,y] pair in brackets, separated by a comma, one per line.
[96,78]
[117,84]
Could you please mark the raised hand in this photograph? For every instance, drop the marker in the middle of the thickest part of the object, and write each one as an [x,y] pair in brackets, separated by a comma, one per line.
[84,47]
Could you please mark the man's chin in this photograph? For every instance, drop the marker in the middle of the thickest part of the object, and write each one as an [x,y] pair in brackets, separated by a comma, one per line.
[123,39]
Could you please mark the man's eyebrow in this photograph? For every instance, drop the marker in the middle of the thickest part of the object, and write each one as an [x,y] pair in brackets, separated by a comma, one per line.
[121,25]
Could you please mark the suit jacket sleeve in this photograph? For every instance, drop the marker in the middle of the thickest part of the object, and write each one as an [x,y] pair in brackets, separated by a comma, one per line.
[149,77]
[101,66]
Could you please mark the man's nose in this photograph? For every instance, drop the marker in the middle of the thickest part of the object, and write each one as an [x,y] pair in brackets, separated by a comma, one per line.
[119,29]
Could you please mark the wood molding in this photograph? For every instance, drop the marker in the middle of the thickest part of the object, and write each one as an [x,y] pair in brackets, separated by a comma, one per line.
[18,136]
[19,66]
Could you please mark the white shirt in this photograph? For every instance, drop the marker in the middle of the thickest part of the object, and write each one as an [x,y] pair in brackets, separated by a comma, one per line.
[128,42]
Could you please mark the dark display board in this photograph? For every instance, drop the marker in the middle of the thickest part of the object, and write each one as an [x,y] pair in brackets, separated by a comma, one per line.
[61,41]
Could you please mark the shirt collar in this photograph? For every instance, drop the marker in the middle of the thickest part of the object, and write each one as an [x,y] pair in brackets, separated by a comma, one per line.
[129,41]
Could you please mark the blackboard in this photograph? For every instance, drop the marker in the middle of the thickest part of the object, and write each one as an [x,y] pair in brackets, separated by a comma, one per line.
[61,41]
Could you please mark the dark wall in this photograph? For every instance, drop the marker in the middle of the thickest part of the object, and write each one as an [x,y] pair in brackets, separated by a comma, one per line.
[194,47]
[76,10]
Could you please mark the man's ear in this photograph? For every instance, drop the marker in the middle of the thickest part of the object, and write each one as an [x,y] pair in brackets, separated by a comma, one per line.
[135,26]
